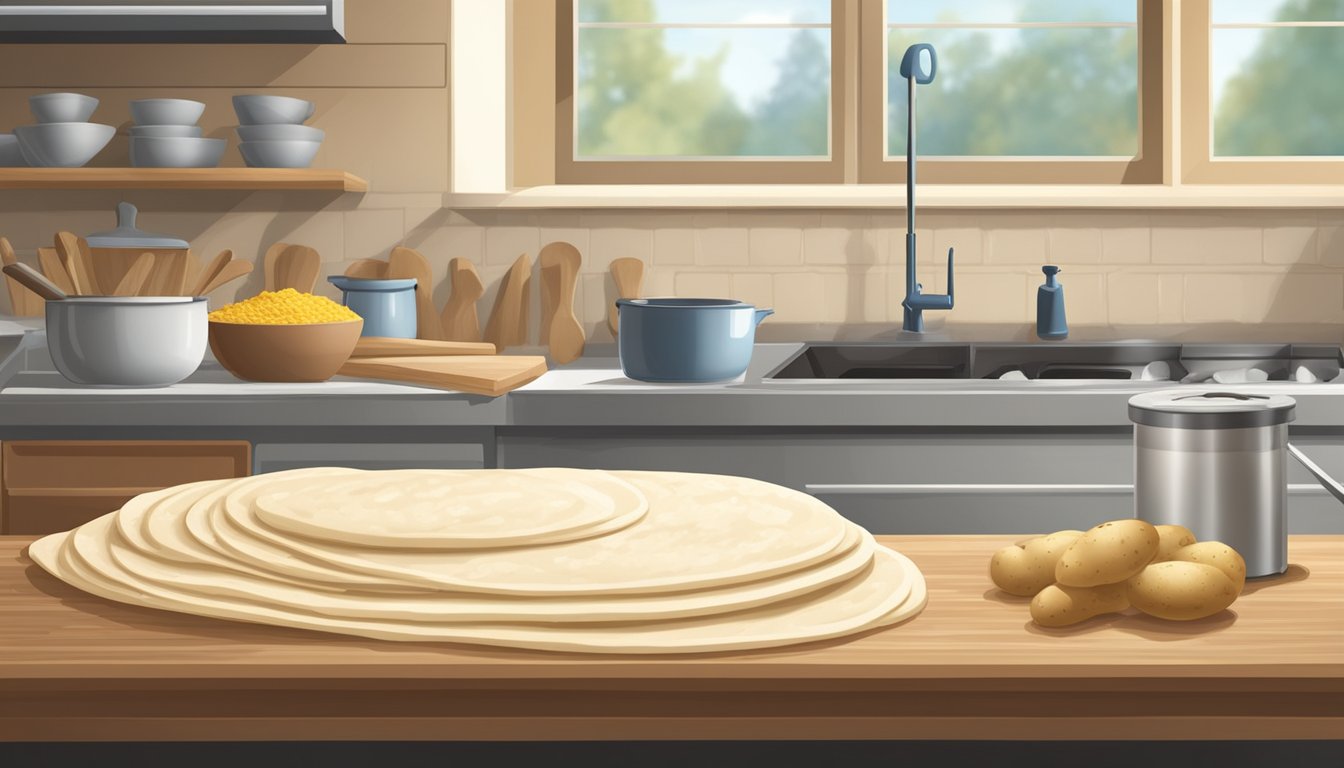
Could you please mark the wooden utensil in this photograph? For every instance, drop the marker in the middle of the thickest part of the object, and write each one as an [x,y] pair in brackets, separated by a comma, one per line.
[22,302]
[559,272]
[379,346]
[231,271]
[268,265]
[50,261]
[367,269]
[34,281]
[491,375]
[404,263]
[135,277]
[629,276]
[210,271]
[296,267]
[507,325]
[67,247]
[459,319]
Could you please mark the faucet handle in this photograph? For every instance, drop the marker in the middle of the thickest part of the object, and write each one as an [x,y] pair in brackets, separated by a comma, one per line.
[950,291]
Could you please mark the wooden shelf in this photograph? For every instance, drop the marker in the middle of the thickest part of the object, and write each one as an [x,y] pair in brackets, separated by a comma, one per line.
[321,180]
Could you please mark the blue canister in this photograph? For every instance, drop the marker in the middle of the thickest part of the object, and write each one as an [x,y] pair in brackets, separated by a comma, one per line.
[387,306]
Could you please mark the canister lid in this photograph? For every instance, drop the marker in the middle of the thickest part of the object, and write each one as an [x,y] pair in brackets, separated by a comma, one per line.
[1209,409]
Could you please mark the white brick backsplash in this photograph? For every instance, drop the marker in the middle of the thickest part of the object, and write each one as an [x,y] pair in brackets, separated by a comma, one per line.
[611,243]
[1016,246]
[704,285]
[503,245]
[721,246]
[1075,246]
[775,246]
[1126,245]
[799,298]
[372,234]
[1207,245]
[674,246]
[1290,245]
[1131,299]
[754,288]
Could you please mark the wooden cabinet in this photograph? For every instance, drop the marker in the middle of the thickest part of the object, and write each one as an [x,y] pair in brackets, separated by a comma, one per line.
[48,486]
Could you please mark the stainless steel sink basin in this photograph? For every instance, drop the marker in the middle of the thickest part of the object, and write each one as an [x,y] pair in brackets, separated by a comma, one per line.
[1055,361]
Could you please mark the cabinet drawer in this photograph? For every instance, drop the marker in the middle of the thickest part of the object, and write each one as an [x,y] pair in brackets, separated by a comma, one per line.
[48,486]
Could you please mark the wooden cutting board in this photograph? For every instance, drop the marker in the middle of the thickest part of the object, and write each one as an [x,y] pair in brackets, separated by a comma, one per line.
[382,346]
[491,375]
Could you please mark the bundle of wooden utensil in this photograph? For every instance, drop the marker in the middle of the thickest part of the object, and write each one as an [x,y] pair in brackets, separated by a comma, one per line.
[507,325]
[79,270]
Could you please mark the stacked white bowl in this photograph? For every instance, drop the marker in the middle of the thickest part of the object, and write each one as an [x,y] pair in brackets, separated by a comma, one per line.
[165,135]
[63,137]
[271,131]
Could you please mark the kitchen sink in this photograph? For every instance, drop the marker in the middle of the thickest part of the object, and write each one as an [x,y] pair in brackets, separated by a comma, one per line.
[1123,361]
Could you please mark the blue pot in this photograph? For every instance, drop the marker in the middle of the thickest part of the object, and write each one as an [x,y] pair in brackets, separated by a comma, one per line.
[686,340]
[387,306]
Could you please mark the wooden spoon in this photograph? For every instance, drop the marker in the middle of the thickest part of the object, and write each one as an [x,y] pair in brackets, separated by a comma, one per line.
[231,271]
[559,272]
[268,264]
[135,277]
[34,281]
[50,261]
[507,325]
[629,276]
[210,271]
[367,269]
[297,267]
[67,246]
[460,321]
[17,303]
[405,263]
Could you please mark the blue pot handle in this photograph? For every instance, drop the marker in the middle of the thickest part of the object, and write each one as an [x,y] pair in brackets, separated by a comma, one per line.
[761,314]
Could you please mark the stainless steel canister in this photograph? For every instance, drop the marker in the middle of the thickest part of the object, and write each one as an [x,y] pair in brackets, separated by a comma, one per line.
[1215,462]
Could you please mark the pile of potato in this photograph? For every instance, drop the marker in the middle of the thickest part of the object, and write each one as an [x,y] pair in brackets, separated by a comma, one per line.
[1161,570]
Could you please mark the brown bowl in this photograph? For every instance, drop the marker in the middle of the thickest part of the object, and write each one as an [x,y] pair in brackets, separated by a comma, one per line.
[313,352]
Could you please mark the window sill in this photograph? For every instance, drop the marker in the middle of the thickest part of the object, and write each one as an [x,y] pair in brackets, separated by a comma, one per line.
[962,196]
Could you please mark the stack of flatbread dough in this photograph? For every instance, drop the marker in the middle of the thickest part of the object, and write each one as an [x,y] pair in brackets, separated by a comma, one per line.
[553,559]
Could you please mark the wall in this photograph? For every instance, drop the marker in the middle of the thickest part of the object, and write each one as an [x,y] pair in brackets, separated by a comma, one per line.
[383,101]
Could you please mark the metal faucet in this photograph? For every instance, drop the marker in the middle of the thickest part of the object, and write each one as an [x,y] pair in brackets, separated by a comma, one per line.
[917,66]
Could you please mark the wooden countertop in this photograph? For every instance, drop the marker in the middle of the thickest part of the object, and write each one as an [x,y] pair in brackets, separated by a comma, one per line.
[74,666]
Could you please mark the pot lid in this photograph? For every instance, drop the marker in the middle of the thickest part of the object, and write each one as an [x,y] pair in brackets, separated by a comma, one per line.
[127,235]
[1210,409]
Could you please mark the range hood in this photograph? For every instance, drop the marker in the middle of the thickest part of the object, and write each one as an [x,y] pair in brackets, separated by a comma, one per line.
[172,21]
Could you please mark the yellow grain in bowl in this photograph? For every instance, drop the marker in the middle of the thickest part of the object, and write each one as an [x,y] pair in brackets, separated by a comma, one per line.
[286,307]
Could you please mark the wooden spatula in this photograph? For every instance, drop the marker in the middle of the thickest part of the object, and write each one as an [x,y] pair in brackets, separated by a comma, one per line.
[367,269]
[67,247]
[507,326]
[135,277]
[210,270]
[268,265]
[559,272]
[491,375]
[231,271]
[50,261]
[406,263]
[22,302]
[459,319]
[297,267]
[629,276]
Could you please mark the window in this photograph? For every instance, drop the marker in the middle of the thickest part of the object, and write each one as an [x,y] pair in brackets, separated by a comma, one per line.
[698,90]
[1262,100]
[1073,88]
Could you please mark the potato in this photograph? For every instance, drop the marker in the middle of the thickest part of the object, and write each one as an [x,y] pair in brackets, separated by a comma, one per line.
[1028,567]
[1107,553]
[1171,538]
[1181,590]
[1220,556]
[1060,606]
[1023,542]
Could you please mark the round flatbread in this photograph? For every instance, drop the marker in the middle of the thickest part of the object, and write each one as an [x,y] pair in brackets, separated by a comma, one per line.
[870,599]
[855,555]
[701,531]
[447,509]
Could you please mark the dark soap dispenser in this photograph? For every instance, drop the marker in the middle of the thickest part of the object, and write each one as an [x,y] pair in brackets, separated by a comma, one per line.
[1050,320]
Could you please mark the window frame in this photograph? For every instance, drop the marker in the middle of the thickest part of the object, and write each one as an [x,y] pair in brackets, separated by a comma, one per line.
[1147,166]
[1199,165]
[569,170]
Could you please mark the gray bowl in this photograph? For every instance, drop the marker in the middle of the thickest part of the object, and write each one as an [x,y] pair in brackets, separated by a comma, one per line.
[280,132]
[62,107]
[265,109]
[62,145]
[166,111]
[10,154]
[175,152]
[279,154]
[157,131]
[139,341]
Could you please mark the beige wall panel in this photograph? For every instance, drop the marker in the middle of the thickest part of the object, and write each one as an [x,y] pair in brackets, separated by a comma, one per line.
[224,66]
[396,21]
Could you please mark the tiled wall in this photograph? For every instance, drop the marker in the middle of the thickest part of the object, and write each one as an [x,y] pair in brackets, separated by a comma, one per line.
[1229,275]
